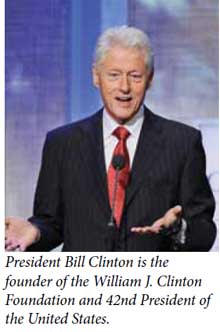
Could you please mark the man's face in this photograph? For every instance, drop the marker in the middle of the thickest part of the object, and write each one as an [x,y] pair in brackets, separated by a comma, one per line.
[123,79]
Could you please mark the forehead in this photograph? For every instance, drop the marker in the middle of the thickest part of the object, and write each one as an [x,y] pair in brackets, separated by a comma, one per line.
[119,56]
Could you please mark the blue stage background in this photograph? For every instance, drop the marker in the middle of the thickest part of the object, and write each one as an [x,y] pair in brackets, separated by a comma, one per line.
[49,50]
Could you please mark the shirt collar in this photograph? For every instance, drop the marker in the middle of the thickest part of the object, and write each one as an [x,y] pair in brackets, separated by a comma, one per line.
[133,125]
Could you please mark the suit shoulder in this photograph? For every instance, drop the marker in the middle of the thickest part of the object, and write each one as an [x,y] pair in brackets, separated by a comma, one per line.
[74,129]
[177,128]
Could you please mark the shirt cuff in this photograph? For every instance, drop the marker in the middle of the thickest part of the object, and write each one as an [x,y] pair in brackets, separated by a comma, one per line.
[181,235]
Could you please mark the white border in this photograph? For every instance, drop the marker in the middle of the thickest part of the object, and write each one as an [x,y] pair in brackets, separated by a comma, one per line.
[2,122]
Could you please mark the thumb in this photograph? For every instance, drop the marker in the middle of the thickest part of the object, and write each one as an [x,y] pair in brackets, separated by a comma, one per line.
[177,210]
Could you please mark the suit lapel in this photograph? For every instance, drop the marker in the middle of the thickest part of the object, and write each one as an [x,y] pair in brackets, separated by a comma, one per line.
[148,150]
[93,154]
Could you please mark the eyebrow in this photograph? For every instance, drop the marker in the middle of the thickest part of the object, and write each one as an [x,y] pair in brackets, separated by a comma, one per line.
[129,72]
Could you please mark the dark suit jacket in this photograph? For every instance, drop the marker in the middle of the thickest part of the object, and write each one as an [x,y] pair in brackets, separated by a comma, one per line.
[71,201]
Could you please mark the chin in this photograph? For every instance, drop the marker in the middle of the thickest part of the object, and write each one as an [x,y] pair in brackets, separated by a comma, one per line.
[123,119]
[123,116]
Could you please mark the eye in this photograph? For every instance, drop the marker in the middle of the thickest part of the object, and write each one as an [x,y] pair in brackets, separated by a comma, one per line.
[113,75]
[136,77]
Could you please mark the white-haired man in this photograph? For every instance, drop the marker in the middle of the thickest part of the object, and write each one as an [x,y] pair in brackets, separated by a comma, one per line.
[123,179]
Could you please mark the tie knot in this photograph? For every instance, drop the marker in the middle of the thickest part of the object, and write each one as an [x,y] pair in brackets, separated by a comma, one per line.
[121,133]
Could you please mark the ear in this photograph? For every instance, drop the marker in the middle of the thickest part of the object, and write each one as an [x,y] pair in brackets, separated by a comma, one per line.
[150,79]
[95,76]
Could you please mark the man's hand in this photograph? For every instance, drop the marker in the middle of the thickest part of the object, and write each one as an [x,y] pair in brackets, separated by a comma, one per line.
[19,234]
[166,221]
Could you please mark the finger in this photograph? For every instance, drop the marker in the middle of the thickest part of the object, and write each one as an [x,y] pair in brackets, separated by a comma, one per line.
[11,246]
[177,209]
[158,223]
[22,247]
[7,221]
[8,242]
[12,249]
[172,215]
[156,228]
[7,232]
[142,230]
[11,241]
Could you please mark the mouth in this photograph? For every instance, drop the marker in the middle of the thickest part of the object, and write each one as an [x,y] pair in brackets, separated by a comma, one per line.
[124,99]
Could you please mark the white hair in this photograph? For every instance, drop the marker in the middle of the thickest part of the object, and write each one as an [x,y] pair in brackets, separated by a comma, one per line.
[127,37]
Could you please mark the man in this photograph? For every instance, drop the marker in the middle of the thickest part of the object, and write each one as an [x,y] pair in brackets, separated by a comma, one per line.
[124,179]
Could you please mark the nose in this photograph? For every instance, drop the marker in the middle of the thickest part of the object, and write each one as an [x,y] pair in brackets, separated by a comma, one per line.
[125,84]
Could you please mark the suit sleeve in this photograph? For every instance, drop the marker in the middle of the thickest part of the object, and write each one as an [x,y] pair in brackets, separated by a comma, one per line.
[197,199]
[47,214]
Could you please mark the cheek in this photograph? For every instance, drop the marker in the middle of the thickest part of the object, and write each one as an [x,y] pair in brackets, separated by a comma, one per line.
[140,92]
[107,89]
[108,94]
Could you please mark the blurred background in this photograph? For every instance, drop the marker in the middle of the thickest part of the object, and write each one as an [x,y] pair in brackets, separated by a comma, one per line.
[49,50]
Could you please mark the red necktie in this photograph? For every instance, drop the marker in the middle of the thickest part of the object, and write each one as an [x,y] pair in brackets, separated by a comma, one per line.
[122,134]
